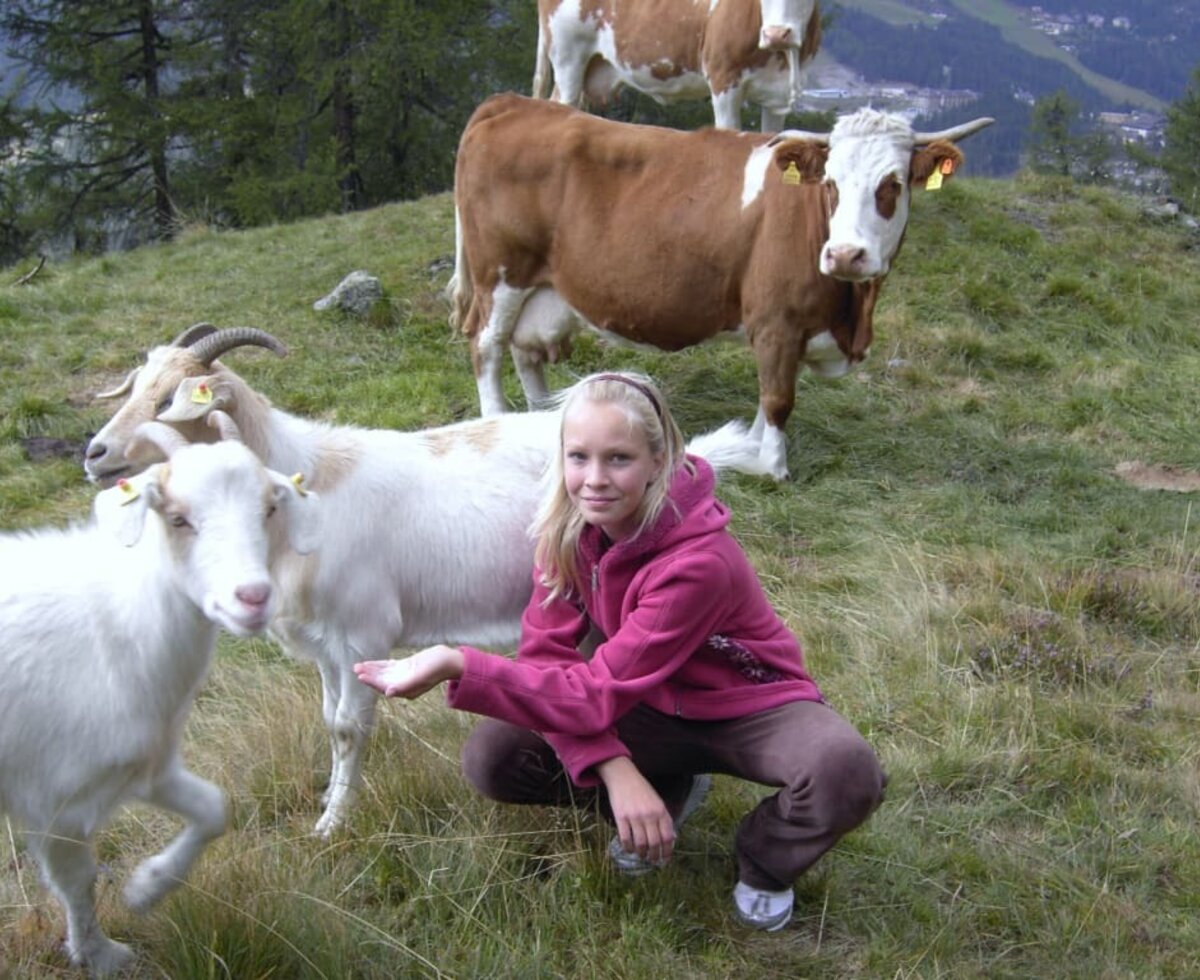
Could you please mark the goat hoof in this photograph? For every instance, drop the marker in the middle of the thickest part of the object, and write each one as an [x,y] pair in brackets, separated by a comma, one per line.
[147,885]
[104,957]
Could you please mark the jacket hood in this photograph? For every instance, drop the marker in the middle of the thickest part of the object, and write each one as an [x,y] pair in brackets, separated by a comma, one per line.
[691,510]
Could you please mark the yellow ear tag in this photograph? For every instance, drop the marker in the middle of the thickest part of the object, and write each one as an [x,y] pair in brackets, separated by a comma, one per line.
[934,182]
[202,394]
[128,492]
[298,483]
[791,173]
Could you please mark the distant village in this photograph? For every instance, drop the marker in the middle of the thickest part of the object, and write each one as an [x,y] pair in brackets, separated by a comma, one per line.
[835,87]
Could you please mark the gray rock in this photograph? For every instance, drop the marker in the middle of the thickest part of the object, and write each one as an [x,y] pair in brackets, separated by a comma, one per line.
[355,294]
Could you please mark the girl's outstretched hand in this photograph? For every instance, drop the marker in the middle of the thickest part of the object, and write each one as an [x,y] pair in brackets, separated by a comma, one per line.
[412,676]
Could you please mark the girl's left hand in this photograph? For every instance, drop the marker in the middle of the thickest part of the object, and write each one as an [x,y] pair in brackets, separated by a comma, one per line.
[412,676]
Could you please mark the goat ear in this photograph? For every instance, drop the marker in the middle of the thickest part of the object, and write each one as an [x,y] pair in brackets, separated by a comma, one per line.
[195,398]
[121,510]
[303,510]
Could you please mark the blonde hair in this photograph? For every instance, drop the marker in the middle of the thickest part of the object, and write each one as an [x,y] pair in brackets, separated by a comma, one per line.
[558,524]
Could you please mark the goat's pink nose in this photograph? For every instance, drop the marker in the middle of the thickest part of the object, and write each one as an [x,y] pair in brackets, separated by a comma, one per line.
[253,595]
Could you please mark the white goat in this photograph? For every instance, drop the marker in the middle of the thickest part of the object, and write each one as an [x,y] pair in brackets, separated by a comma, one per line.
[425,537]
[106,633]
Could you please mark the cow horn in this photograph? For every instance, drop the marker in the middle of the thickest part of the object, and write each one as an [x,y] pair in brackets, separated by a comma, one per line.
[192,334]
[209,348]
[225,425]
[955,133]
[798,134]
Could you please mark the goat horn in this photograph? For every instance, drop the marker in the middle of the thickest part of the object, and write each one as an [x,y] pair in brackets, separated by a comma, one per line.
[192,334]
[224,424]
[159,434]
[209,348]
[122,388]
[954,133]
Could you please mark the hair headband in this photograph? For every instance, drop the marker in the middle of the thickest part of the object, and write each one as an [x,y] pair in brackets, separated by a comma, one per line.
[632,384]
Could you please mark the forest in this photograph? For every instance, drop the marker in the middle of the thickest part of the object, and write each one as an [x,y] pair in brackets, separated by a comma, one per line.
[122,121]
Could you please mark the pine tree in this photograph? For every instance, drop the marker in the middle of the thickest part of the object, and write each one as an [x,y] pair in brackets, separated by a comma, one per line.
[104,129]
[1052,147]
[1181,155]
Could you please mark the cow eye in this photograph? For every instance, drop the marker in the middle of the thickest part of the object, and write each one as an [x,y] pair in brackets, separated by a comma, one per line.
[164,404]
[178,520]
[271,510]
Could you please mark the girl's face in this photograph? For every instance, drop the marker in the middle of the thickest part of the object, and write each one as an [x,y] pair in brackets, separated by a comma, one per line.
[607,465]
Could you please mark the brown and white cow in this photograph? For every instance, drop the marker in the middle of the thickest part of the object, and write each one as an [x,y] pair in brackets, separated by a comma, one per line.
[729,50]
[668,238]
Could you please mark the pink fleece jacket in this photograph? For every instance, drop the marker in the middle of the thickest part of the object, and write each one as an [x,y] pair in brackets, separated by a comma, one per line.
[689,633]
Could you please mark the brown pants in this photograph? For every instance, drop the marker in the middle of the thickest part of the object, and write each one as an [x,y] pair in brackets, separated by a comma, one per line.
[829,776]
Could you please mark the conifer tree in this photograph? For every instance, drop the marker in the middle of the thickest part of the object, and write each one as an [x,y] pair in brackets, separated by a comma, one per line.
[104,128]
[1181,155]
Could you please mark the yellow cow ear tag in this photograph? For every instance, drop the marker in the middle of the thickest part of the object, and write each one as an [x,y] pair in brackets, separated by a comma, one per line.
[791,173]
[938,176]
[128,492]
[202,394]
[298,483]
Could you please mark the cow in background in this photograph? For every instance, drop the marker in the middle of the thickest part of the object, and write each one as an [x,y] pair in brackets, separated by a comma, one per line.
[672,50]
[668,238]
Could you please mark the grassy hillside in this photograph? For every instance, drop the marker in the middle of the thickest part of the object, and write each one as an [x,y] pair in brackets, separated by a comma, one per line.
[1011,622]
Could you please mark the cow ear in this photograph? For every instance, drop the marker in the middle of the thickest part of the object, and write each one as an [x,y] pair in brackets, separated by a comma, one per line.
[195,398]
[941,156]
[802,158]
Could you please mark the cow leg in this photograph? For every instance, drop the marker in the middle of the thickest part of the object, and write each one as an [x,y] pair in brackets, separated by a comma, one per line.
[777,368]
[773,119]
[569,80]
[202,805]
[492,342]
[531,371]
[727,108]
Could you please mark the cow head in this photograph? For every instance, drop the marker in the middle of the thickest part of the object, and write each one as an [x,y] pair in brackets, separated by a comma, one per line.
[784,23]
[869,164]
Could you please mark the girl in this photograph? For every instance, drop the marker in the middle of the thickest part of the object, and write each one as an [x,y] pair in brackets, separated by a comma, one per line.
[694,673]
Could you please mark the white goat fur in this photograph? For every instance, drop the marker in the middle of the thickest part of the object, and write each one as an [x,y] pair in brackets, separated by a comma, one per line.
[426,532]
[106,633]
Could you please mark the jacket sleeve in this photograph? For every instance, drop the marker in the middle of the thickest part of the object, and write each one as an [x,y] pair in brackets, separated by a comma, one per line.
[576,702]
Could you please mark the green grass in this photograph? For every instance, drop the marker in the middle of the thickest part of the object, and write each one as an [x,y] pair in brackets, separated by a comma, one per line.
[1015,628]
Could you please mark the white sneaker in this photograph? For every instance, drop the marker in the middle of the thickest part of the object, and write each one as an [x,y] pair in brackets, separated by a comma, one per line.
[633,864]
[759,909]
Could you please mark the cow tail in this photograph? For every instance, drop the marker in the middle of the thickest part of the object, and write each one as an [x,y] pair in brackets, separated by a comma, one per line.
[459,289]
[541,70]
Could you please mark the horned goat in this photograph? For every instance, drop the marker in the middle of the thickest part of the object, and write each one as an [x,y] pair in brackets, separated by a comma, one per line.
[108,631]
[425,532]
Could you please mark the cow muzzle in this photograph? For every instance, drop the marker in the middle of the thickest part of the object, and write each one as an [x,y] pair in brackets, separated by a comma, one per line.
[852,263]
[777,37]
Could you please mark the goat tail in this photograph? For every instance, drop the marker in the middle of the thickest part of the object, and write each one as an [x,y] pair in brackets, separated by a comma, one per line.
[459,290]
[541,69]
[731,447]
